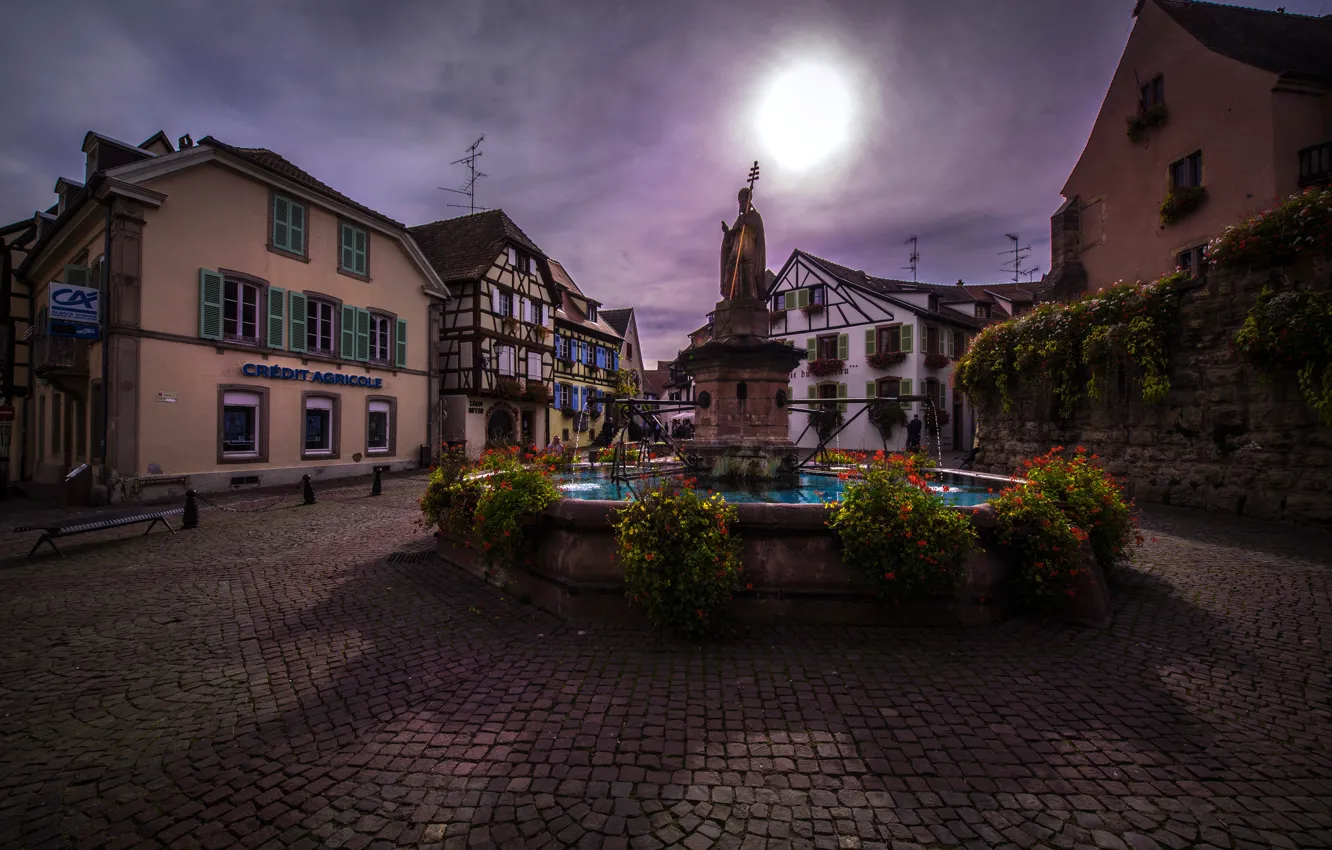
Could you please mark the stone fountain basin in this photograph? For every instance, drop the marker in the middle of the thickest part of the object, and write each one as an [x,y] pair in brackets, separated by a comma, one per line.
[790,558]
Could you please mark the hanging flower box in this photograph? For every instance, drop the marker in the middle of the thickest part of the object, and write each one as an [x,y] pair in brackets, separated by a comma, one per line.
[775,315]
[812,309]
[1140,122]
[536,392]
[885,359]
[825,367]
[509,388]
[1179,203]
[937,361]
[510,325]
[568,412]
[541,332]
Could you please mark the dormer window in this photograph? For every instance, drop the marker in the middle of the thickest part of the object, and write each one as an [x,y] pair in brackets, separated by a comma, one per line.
[521,261]
[982,311]
[591,312]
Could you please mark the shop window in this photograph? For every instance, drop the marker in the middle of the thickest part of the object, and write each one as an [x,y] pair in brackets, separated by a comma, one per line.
[241,429]
[319,439]
[379,433]
[319,334]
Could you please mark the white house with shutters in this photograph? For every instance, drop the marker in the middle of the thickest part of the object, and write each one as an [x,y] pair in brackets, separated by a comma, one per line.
[870,337]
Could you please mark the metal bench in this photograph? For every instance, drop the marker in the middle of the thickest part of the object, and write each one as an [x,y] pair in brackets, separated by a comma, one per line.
[52,530]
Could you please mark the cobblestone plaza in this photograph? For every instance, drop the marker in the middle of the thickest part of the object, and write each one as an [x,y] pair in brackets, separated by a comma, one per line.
[312,676]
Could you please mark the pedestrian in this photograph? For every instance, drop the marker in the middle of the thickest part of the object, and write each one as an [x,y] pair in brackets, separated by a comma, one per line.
[913,433]
[555,447]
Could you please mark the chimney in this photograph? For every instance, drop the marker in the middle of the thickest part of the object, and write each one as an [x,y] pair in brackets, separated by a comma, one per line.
[184,142]
[959,281]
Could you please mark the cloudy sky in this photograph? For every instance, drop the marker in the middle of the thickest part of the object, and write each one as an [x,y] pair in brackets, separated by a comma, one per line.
[617,131]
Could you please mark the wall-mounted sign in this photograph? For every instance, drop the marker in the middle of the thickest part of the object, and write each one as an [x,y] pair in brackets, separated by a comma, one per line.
[169,398]
[475,407]
[78,304]
[74,330]
[282,373]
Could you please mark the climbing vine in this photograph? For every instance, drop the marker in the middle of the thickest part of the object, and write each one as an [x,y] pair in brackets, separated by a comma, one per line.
[1071,349]
[1290,333]
[1297,228]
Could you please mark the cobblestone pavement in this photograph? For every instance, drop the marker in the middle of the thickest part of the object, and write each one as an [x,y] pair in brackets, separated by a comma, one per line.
[277,679]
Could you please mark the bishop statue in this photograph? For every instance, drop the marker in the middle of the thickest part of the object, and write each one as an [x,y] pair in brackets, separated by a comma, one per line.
[744,260]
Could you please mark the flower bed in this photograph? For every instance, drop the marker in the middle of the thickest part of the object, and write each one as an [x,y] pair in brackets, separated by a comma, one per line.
[885,359]
[1298,228]
[826,366]
[1179,203]
[1071,349]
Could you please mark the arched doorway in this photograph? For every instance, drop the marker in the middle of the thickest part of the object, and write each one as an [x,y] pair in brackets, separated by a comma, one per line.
[500,426]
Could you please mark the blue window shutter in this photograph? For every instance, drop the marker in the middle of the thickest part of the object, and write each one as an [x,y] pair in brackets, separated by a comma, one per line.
[347,350]
[362,334]
[401,338]
[298,310]
[277,316]
[210,304]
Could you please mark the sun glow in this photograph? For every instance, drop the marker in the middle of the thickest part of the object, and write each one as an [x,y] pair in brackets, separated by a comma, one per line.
[805,115]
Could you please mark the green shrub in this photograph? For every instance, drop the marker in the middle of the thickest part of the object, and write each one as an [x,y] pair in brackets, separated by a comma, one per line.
[1090,499]
[1036,533]
[510,499]
[681,563]
[897,535]
[1290,333]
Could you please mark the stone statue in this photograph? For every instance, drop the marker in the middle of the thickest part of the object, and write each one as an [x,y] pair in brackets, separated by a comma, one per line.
[743,245]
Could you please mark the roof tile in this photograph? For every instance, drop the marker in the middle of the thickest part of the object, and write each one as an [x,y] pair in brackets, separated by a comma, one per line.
[463,248]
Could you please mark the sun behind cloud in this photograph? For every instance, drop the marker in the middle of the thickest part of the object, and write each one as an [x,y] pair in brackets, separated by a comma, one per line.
[805,114]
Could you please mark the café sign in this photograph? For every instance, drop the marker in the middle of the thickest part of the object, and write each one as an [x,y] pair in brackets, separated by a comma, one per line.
[283,373]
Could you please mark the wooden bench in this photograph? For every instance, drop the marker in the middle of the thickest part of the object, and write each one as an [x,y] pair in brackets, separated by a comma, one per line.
[76,525]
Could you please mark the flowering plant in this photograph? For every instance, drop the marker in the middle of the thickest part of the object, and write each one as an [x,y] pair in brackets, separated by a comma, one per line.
[568,412]
[1178,203]
[1300,226]
[681,563]
[1291,332]
[884,359]
[1139,122]
[1071,348]
[937,361]
[774,315]
[897,534]
[607,455]
[936,416]
[825,366]
[510,325]
[840,457]
[1091,499]
[450,495]
[509,388]
[510,500]
[1044,541]
[812,309]
[537,392]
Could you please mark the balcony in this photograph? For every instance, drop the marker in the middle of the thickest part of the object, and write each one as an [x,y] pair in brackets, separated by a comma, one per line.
[1316,165]
[58,355]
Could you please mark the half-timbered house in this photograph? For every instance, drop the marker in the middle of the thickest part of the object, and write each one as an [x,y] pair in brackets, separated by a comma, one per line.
[870,337]
[496,351]
[587,354]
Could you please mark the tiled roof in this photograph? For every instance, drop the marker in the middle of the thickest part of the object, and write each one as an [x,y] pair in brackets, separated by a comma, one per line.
[463,248]
[562,278]
[654,380]
[1299,45]
[265,158]
[568,311]
[618,318]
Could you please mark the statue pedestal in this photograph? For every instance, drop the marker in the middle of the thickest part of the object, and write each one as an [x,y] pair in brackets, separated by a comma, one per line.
[743,432]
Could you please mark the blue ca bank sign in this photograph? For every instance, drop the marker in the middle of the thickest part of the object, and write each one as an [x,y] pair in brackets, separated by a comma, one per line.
[282,373]
[78,304]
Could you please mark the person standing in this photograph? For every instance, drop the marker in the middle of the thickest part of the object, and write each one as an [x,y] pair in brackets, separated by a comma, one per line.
[913,433]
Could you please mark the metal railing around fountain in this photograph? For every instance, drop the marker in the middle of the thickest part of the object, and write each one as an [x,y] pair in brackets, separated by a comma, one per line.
[827,412]
[648,411]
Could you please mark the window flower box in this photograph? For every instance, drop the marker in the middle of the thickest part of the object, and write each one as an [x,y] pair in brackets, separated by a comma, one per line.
[937,361]
[1142,121]
[541,332]
[776,315]
[568,412]
[827,366]
[812,309]
[510,325]
[885,359]
[536,392]
[509,388]
[1179,203]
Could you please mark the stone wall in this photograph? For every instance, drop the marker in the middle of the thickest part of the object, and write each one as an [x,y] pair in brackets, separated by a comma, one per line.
[1227,438]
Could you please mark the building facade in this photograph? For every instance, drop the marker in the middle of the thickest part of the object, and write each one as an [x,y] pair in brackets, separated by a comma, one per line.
[496,341]
[624,321]
[261,326]
[587,355]
[1213,113]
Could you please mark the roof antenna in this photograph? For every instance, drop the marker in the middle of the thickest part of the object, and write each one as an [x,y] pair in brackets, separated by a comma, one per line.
[1019,254]
[473,175]
[915,259]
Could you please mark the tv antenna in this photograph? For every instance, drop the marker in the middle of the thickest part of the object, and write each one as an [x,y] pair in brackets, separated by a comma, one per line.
[473,175]
[1031,273]
[1019,253]
[915,258]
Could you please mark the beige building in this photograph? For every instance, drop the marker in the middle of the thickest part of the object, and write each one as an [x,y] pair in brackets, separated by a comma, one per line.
[1214,112]
[261,325]
[587,355]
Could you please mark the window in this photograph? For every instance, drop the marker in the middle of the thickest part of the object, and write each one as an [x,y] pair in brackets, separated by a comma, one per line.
[816,295]
[319,327]
[958,346]
[1193,261]
[501,302]
[890,339]
[629,350]
[1152,93]
[1187,172]
[288,233]
[240,310]
[379,426]
[520,261]
[534,365]
[379,338]
[827,348]
[982,311]
[354,257]
[889,388]
[591,312]
[319,424]
[241,429]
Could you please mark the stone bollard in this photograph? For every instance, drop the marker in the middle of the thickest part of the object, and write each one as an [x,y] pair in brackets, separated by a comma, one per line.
[307,490]
[191,518]
[377,488]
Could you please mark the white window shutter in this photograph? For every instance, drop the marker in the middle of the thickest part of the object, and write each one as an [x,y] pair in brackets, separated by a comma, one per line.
[494,300]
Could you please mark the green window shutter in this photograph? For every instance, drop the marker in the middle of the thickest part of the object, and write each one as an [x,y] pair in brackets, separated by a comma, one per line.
[802,297]
[813,391]
[281,229]
[277,316]
[361,248]
[347,254]
[348,348]
[210,304]
[362,334]
[870,390]
[812,347]
[904,388]
[841,393]
[843,346]
[906,338]
[788,300]
[869,341]
[296,241]
[401,339]
[298,311]
[78,276]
